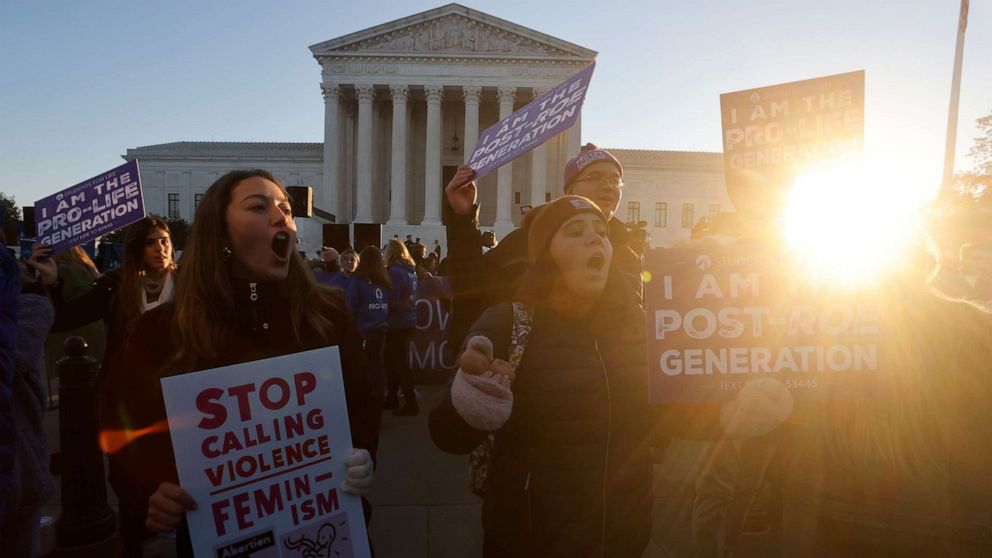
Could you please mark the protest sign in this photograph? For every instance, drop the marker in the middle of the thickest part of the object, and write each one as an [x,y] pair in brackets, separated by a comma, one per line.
[773,133]
[431,358]
[261,446]
[722,315]
[537,122]
[91,209]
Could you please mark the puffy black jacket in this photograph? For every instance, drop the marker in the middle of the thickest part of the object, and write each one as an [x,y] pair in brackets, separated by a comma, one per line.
[571,472]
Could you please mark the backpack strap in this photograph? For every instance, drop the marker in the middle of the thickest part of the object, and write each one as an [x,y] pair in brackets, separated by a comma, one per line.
[523,318]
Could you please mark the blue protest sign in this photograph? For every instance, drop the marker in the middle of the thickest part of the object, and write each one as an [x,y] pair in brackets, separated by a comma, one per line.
[91,208]
[537,122]
[430,358]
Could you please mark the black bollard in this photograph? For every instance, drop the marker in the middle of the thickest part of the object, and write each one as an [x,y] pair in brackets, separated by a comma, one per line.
[86,517]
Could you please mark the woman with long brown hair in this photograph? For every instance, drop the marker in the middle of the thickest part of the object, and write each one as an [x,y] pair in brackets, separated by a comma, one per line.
[367,296]
[245,294]
[898,463]
[402,321]
[119,298]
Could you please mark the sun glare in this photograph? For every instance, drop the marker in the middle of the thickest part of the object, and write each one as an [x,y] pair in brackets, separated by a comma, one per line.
[850,227]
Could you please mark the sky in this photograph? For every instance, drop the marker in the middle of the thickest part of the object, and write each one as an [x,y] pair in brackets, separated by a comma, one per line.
[81,82]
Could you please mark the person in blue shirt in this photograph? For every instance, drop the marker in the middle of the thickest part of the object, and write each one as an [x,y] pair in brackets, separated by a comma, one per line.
[367,297]
[402,321]
[325,269]
[348,263]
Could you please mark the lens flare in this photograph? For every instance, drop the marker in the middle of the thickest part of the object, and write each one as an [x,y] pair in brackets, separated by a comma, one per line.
[112,441]
[849,227]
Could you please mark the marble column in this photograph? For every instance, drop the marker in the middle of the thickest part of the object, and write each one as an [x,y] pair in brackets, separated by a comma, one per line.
[348,162]
[330,194]
[432,168]
[363,212]
[472,95]
[397,180]
[504,174]
[538,166]
[574,138]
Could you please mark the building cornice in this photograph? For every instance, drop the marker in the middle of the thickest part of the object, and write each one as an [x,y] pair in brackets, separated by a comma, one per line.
[381,35]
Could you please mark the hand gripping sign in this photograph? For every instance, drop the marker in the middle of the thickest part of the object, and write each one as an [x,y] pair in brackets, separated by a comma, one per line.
[90,209]
[261,446]
[537,122]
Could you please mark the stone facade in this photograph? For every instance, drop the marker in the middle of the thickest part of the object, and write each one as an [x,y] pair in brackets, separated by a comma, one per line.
[404,103]
[671,191]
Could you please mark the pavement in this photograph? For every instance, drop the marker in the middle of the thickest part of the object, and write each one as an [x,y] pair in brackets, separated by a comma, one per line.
[422,507]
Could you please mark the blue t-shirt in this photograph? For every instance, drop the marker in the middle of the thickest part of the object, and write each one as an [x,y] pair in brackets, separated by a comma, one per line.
[403,297]
[368,303]
[335,279]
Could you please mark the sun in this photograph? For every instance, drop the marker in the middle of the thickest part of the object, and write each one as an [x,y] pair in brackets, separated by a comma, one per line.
[850,227]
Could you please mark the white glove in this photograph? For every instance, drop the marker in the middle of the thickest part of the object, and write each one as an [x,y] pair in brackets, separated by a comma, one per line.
[358,475]
[484,401]
[761,405]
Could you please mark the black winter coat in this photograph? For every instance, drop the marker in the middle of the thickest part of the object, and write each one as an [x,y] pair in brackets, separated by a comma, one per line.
[99,303]
[264,332]
[571,474]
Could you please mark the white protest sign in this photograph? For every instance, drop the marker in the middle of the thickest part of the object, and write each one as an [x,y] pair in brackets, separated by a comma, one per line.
[261,447]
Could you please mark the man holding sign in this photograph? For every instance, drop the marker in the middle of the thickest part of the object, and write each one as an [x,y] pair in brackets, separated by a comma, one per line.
[480,280]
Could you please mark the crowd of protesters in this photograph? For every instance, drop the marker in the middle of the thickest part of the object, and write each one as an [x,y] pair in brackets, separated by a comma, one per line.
[550,398]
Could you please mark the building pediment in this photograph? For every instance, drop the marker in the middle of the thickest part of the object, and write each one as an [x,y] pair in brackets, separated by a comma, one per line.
[452,30]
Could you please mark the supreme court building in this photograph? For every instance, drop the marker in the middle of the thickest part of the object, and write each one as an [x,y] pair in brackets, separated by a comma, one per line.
[404,103]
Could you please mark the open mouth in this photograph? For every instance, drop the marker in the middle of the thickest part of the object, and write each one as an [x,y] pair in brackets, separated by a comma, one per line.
[280,244]
[597,262]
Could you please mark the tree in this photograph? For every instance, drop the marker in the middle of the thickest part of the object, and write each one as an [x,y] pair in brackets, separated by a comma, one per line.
[967,215]
[977,183]
[11,215]
[981,152]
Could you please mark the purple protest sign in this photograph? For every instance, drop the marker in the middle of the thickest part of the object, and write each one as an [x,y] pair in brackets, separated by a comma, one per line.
[537,122]
[91,208]
[720,316]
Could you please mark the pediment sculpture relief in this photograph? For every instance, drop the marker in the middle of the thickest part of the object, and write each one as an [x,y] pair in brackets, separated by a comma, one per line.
[454,35]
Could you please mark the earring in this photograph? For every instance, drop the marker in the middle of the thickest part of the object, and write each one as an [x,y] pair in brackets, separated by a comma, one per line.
[227,253]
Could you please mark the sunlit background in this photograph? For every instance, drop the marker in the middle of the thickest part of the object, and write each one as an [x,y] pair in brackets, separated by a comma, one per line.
[853,224]
[83,81]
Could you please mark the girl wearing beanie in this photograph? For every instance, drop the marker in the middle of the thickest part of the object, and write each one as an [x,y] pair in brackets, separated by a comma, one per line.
[569,473]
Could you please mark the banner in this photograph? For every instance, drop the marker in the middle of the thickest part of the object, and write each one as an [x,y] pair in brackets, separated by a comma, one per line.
[773,133]
[260,446]
[537,122]
[722,315]
[90,209]
[431,358]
